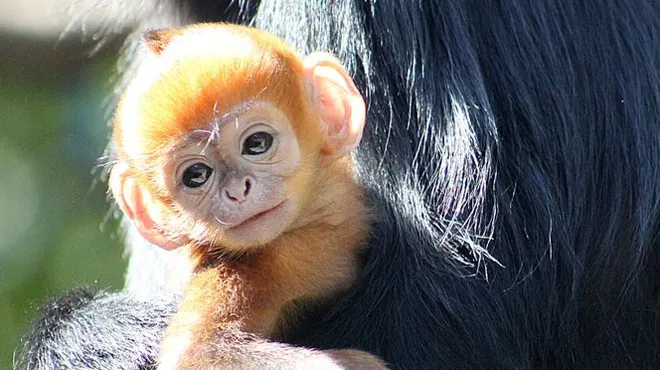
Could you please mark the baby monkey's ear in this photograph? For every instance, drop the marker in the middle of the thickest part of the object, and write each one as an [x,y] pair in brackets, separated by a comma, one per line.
[158,40]
[137,203]
[338,102]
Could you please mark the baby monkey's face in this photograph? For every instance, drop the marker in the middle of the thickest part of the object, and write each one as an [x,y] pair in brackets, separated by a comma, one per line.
[225,138]
[236,180]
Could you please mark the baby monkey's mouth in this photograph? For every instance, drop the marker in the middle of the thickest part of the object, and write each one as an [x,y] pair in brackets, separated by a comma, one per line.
[260,215]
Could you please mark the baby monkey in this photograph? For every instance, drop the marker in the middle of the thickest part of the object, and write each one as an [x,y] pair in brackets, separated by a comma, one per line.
[235,148]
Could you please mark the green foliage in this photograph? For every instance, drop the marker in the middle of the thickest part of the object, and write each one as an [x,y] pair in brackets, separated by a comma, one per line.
[51,239]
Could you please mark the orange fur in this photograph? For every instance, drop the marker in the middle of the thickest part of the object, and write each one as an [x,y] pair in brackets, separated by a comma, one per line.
[317,256]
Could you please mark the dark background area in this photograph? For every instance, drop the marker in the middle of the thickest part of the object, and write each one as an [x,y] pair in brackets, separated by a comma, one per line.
[54,227]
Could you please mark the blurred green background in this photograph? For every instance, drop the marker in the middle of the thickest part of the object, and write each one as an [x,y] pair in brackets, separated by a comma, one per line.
[53,126]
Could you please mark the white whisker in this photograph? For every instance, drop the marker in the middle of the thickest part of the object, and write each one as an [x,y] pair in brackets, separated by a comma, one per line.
[222,222]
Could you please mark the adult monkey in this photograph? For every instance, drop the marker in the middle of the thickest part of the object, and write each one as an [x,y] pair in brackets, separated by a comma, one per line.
[521,132]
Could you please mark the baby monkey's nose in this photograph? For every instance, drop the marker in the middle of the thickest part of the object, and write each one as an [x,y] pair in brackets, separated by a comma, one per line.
[237,190]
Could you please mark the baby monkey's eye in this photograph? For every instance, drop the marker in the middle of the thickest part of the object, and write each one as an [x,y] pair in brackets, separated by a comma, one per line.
[257,143]
[196,175]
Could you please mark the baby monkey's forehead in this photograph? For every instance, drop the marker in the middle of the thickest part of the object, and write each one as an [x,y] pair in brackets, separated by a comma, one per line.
[228,125]
[211,130]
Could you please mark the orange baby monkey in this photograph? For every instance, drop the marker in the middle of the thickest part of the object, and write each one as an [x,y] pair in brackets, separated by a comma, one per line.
[232,146]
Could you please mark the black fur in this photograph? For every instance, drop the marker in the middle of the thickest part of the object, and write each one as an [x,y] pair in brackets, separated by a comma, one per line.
[86,331]
[512,153]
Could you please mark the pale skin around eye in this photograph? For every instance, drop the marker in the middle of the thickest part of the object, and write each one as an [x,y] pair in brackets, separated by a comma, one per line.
[239,175]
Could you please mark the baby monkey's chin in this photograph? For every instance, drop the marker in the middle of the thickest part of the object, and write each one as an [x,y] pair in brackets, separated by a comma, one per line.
[259,229]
